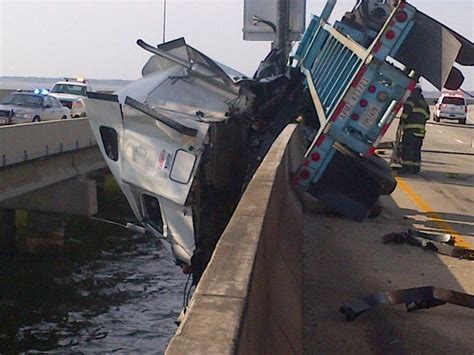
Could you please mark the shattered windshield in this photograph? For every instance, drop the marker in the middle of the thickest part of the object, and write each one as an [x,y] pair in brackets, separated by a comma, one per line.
[69,89]
[22,100]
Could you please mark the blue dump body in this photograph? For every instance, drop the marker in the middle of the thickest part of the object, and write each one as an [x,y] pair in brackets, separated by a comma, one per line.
[356,92]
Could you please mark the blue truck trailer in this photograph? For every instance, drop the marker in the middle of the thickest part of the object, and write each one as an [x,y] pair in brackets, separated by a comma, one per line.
[358,86]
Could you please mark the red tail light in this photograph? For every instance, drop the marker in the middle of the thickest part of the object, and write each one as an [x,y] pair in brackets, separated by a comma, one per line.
[390,35]
[401,16]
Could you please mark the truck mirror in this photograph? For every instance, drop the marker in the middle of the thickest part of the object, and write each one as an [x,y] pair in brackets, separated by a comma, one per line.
[183,166]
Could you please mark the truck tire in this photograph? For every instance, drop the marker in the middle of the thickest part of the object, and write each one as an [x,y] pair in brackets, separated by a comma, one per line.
[37,119]
[351,185]
[383,173]
[463,121]
[436,118]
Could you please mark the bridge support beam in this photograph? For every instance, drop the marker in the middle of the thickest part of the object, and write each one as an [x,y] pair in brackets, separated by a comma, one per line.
[7,230]
[31,176]
[75,196]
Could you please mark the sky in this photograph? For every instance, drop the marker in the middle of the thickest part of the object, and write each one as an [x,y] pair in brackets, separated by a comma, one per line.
[96,39]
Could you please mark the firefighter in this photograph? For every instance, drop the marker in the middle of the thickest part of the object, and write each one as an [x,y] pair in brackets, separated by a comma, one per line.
[415,114]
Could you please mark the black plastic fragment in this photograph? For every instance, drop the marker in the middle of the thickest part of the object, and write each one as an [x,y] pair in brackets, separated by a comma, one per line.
[413,298]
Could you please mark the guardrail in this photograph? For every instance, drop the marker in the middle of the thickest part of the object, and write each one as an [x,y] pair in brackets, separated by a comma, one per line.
[30,141]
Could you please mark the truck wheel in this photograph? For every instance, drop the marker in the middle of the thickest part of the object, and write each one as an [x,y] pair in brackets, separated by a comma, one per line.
[381,170]
[436,118]
[463,121]
[37,119]
[64,118]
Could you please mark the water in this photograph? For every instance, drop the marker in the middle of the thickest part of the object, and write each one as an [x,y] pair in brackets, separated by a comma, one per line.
[111,291]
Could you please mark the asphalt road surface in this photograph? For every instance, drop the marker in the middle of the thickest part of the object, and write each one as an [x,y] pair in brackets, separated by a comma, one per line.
[346,260]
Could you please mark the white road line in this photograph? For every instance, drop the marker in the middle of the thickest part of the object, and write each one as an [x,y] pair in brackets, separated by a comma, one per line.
[459,141]
[440,131]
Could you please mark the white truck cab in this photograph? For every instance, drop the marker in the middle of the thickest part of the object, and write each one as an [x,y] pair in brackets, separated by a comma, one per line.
[70,92]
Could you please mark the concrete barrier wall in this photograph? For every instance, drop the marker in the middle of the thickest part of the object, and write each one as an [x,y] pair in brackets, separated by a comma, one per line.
[249,299]
[29,141]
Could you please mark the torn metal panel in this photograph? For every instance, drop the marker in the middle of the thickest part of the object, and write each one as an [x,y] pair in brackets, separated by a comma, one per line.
[414,299]
[465,56]
[430,41]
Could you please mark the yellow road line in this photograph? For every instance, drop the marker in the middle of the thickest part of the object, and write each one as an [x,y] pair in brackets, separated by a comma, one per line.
[436,218]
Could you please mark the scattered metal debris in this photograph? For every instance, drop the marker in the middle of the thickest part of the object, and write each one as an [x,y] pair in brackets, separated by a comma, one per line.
[439,243]
[413,298]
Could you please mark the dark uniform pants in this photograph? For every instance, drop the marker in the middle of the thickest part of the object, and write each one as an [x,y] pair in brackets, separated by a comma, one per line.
[411,152]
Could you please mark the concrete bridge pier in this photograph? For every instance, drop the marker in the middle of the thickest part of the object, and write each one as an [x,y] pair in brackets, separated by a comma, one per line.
[47,208]
[7,230]
[45,233]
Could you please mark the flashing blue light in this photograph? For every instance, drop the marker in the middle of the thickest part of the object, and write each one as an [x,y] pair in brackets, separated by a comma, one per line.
[41,91]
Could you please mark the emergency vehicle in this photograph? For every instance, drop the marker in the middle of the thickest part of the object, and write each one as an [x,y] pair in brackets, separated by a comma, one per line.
[70,92]
[451,106]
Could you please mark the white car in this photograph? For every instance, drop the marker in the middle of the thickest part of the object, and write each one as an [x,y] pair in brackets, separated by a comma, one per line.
[70,94]
[451,107]
[29,106]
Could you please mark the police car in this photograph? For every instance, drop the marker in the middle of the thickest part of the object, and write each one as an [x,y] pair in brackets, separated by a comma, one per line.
[451,106]
[70,92]
[31,106]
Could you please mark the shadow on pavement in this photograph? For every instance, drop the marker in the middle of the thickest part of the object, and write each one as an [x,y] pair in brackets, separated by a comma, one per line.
[468,125]
[458,179]
[447,152]
[463,224]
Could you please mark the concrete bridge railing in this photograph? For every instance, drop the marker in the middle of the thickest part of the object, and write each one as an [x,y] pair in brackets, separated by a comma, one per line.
[42,166]
[30,141]
[249,299]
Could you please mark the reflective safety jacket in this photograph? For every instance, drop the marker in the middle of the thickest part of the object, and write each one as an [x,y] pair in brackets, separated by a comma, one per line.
[415,114]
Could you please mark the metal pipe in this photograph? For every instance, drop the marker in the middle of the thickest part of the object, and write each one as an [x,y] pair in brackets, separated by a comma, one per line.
[327,11]
[164,21]
[164,54]
[282,33]
[200,70]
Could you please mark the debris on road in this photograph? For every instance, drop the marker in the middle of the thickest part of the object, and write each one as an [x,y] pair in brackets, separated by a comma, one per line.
[413,298]
[439,243]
